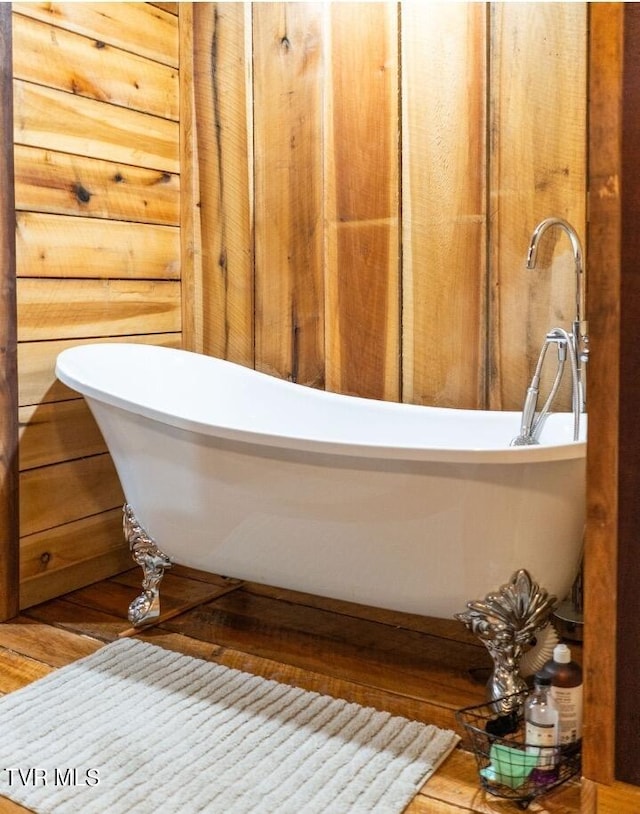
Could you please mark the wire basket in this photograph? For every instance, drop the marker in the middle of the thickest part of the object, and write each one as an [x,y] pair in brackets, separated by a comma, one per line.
[509,767]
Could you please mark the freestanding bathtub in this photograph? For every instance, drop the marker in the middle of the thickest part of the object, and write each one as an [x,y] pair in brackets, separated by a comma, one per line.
[412,508]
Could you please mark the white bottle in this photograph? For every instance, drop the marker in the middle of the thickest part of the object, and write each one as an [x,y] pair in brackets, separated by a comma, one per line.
[566,690]
[542,726]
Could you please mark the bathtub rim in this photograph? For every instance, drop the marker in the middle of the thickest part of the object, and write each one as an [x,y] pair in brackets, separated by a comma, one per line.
[541,453]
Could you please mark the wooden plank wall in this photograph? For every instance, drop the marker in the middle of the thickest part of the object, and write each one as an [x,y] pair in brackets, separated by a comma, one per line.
[368,177]
[97,186]
[9,561]
[389,240]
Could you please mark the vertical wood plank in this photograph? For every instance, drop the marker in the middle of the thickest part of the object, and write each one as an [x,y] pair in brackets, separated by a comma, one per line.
[603,308]
[287,46]
[444,203]
[537,169]
[9,528]
[222,82]
[363,279]
[190,254]
[627,732]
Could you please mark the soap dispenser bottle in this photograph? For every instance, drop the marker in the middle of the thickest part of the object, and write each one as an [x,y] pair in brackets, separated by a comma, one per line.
[566,690]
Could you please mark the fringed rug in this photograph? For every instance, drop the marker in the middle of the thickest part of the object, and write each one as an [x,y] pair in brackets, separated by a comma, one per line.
[135,728]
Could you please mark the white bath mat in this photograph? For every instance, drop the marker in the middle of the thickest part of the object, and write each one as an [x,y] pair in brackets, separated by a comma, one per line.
[134,728]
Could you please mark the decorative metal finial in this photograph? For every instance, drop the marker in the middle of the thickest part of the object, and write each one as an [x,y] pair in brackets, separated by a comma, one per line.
[506,623]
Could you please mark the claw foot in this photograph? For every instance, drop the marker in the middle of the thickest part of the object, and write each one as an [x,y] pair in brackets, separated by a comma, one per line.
[506,622]
[146,607]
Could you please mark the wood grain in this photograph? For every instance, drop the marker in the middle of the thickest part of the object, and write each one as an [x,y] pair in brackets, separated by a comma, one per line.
[16,671]
[85,67]
[363,275]
[51,433]
[190,250]
[58,183]
[75,618]
[9,528]
[51,646]
[444,184]
[46,117]
[617,798]
[81,572]
[143,28]
[289,287]
[223,106]
[64,309]
[603,308]
[627,735]
[61,246]
[45,552]
[60,493]
[172,8]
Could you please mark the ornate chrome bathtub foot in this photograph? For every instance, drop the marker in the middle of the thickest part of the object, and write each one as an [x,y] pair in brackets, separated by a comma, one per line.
[146,607]
[506,623]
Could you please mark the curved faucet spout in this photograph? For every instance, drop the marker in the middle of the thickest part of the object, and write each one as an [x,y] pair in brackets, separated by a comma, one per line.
[532,254]
[580,328]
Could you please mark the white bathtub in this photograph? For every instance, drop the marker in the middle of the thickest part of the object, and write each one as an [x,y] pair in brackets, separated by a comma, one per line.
[399,506]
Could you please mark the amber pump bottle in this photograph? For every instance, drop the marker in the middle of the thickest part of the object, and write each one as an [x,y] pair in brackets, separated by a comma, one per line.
[566,690]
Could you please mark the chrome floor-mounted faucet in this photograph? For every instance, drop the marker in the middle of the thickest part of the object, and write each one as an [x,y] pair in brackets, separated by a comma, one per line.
[580,327]
[573,344]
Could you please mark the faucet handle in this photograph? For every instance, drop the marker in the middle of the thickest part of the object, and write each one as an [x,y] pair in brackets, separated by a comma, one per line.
[583,341]
[583,352]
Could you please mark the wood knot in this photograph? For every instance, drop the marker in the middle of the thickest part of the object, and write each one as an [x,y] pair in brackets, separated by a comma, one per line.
[82,194]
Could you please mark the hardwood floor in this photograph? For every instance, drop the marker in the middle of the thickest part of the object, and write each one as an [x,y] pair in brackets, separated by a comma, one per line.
[421,668]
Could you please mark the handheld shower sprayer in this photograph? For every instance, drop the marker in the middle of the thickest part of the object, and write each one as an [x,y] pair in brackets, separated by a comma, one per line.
[530,425]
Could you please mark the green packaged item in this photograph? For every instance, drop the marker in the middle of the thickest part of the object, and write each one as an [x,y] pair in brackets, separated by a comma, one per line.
[510,767]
